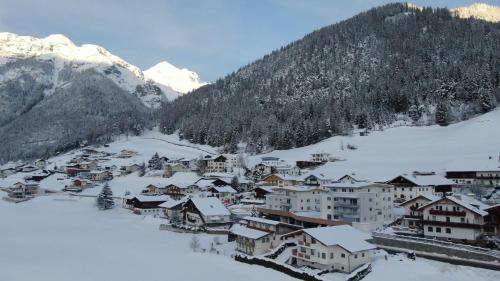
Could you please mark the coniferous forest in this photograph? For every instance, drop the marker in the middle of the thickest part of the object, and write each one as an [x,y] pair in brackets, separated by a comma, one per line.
[392,62]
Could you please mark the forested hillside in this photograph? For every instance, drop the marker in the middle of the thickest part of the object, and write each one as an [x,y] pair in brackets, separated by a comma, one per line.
[395,61]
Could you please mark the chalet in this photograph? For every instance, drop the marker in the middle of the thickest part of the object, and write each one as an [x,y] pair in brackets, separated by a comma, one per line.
[452,219]
[492,220]
[260,192]
[320,157]
[408,186]
[172,209]
[145,204]
[206,212]
[280,180]
[288,170]
[270,161]
[100,176]
[335,248]
[22,191]
[225,194]
[179,190]
[316,180]
[256,236]
[128,169]
[151,189]
[217,164]
[78,185]
[413,217]
[484,172]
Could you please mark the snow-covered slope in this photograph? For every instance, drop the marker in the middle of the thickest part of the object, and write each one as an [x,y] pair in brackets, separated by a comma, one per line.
[384,154]
[479,11]
[180,80]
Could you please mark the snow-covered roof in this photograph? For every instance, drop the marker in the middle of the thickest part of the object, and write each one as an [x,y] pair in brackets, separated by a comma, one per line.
[344,236]
[149,198]
[429,197]
[472,201]
[210,206]
[427,179]
[475,164]
[241,230]
[458,202]
[172,203]
[356,184]
[265,188]
[261,220]
[226,189]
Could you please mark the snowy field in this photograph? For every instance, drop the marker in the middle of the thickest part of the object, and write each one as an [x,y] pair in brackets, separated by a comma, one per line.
[59,237]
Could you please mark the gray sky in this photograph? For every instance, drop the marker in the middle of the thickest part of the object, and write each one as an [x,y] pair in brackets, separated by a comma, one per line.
[211,37]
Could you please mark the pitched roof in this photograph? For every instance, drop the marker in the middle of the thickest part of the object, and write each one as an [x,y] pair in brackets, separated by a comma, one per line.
[244,231]
[225,188]
[261,220]
[429,197]
[210,206]
[344,236]
[426,180]
[458,202]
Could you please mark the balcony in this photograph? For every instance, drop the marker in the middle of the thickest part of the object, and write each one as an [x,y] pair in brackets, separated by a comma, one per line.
[447,213]
[305,244]
[453,224]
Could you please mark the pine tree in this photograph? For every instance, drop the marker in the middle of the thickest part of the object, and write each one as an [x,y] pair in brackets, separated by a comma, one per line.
[441,114]
[155,163]
[105,198]
[235,183]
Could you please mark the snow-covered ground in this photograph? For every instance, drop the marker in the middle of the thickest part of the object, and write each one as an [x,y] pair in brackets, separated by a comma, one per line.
[384,154]
[64,238]
[59,237]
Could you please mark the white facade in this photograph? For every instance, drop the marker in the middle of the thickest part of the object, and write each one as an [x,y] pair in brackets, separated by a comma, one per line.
[451,219]
[325,253]
[295,199]
[360,202]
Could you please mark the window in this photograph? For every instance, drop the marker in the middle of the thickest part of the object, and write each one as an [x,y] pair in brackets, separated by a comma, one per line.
[331,255]
[323,255]
[438,229]
[363,255]
[355,256]
[429,229]
[342,255]
[447,219]
[448,230]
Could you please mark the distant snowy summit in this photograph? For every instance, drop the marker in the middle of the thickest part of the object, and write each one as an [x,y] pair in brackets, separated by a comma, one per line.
[478,11]
[180,80]
[66,56]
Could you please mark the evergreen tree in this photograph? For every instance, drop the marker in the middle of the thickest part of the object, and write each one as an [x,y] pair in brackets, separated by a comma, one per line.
[105,198]
[235,183]
[441,115]
[154,163]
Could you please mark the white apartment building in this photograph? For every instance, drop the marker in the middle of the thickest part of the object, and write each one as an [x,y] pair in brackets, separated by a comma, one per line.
[296,198]
[367,204]
[408,186]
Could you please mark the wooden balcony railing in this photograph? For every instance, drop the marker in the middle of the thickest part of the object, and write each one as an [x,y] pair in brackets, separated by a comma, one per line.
[447,213]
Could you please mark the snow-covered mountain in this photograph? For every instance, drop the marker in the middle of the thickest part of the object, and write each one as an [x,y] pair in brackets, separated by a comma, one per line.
[55,95]
[180,80]
[65,55]
[479,11]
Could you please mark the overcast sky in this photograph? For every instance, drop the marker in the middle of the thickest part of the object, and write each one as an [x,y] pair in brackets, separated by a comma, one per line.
[211,37]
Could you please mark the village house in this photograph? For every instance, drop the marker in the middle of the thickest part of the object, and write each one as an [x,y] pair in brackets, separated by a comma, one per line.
[260,192]
[280,180]
[206,212]
[172,209]
[179,189]
[100,176]
[335,248]
[288,170]
[261,170]
[172,168]
[78,185]
[226,194]
[216,164]
[128,169]
[317,180]
[145,204]
[449,218]
[270,161]
[483,172]
[320,157]
[22,191]
[408,186]
[256,236]
[413,217]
